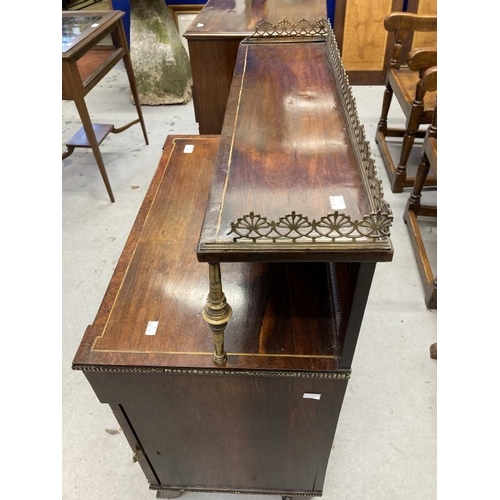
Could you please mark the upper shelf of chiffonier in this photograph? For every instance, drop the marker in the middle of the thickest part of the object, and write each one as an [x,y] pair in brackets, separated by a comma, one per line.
[237,19]
[294,178]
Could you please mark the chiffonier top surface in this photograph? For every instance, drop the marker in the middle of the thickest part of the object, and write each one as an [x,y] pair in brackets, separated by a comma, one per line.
[294,179]
[150,317]
[238,18]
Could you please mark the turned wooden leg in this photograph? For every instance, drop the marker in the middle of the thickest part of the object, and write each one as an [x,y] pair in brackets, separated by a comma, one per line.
[416,194]
[400,177]
[386,103]
[217,313]
[434,351]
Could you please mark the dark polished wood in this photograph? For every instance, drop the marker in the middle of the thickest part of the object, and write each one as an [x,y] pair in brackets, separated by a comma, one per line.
[158,278]
[85,62]
[433,351]
[236,432]
[416,95]
[287,145]
[262,423]
[291,141]
[213,40]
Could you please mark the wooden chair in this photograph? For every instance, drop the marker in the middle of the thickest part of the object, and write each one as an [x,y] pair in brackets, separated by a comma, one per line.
[414,208]
[416,99]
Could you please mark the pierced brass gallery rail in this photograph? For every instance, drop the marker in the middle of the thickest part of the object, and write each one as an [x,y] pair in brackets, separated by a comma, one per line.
[286,29]
[298,228]
[335,226]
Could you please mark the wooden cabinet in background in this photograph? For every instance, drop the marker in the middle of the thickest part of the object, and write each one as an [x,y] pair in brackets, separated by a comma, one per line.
[213,40]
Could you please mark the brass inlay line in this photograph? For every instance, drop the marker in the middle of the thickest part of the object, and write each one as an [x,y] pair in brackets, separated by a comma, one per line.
[232,142]
[174,144]
[197,353]
[131,351]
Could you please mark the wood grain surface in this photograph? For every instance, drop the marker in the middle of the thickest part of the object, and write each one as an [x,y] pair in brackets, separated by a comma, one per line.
[283,313]
[238,18]
[228,433]
[286,146]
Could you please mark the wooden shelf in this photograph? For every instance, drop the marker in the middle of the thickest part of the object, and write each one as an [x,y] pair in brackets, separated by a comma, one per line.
[80,140]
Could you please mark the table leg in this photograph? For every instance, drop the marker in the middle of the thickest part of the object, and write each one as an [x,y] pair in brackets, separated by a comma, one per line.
[217,313]
[74,87]
[89,131]
[122,41]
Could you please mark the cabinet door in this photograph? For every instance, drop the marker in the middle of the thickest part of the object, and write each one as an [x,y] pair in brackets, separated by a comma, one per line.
[269,433]
[364,43]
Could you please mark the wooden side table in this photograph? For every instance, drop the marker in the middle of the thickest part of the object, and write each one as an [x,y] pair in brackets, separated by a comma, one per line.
[84,63]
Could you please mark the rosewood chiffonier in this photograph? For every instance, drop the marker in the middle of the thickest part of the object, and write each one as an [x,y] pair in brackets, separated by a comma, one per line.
[224,342]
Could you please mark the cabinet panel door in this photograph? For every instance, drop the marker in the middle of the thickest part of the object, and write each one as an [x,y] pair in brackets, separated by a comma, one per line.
[232,432]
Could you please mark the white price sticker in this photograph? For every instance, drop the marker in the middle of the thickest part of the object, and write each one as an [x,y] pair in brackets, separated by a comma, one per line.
[312,395]
[200,25]
[188,148]
[151,328]
[337,202]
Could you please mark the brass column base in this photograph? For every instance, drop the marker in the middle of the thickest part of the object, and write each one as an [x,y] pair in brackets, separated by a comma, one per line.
[217,313]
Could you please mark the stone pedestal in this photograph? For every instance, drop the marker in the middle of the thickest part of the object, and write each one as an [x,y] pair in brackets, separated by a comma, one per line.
[160,61]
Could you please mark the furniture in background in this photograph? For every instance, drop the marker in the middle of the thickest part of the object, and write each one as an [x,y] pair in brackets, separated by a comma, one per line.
[184,14]
[415,209]
[255,412]
[416,96]
[365,45]
[213,41]
[433,351]
[78,4]
[84,63]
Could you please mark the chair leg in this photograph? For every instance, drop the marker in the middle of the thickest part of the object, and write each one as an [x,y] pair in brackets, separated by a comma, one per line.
[434,351]
[416,194]
[398,182]
[386,104]
[431,293]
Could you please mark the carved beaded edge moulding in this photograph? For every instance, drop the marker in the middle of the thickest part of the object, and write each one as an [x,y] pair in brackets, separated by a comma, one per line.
[340,374]
[335,227]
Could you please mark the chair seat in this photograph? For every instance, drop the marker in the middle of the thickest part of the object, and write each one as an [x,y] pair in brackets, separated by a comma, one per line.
[404,82]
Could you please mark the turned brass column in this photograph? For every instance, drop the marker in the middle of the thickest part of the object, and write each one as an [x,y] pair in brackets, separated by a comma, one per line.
[217,313]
